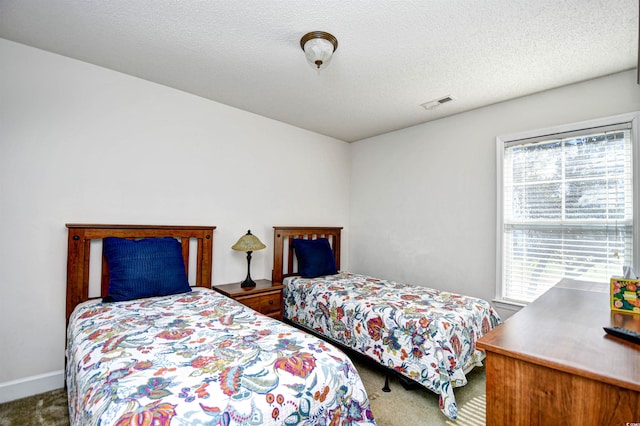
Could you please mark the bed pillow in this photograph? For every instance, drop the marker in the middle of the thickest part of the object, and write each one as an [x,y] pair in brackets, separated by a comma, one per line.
[144,268]
[315,257]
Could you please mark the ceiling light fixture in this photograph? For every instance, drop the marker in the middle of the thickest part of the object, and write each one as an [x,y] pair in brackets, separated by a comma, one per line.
[318,47]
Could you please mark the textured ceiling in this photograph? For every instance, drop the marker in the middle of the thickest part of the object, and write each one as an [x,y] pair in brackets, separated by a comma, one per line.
[392,56]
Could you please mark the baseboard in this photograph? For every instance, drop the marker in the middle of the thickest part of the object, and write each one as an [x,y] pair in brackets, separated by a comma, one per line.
[33,385]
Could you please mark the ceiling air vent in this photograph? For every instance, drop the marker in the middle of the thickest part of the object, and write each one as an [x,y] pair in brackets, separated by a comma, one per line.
[437,102]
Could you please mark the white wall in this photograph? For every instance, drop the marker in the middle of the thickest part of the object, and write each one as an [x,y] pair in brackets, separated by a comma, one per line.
[423,199]
[79,143]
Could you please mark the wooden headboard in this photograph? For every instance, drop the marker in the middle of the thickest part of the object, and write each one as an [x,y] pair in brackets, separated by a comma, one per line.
[283,246]
[79,253]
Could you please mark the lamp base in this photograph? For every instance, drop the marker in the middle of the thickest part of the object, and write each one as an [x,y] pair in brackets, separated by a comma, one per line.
[248,283]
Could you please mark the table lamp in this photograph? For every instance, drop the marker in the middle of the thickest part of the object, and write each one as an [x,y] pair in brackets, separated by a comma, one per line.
[248,243]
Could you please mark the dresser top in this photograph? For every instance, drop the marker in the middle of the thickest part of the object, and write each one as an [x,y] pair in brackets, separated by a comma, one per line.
[562,330]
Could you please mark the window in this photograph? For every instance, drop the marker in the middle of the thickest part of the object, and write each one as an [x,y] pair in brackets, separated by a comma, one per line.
[566,205]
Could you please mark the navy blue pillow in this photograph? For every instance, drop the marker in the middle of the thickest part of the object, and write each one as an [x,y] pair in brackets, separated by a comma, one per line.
[315,257]
[144,268]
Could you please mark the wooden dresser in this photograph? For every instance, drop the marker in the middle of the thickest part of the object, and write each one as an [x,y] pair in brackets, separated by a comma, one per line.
[265,297]
[553,364]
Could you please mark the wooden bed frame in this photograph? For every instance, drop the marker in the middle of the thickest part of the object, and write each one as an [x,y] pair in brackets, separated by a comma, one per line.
[283,246]
[79,253]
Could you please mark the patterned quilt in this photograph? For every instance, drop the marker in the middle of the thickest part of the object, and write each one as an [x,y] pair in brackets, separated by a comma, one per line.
[201,358]
[425,334]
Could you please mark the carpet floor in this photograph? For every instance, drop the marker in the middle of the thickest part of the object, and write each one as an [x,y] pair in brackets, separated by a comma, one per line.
[49,408]
[419,407]
[399,407]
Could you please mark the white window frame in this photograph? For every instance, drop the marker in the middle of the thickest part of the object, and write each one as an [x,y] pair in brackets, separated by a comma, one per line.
[501,141]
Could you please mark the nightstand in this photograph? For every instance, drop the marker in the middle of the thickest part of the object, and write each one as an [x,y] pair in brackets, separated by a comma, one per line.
[265,297]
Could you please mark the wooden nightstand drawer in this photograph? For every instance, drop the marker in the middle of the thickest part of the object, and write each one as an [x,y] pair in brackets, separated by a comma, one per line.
[265,297]
[267,303]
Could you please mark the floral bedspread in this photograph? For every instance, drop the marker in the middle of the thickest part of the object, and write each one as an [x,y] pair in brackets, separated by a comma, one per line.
[425,334]
[201,358]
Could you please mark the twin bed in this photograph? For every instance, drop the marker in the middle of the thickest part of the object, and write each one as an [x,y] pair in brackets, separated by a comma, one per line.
[426,335]
[193,357]
[169,354]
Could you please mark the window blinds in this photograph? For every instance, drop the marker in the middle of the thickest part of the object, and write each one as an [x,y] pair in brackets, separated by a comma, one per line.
[567,209]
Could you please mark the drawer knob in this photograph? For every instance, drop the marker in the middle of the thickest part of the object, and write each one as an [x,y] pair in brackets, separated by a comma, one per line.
[271,302]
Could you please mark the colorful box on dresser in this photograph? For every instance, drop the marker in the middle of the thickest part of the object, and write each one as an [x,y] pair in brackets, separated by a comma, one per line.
[625,295]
